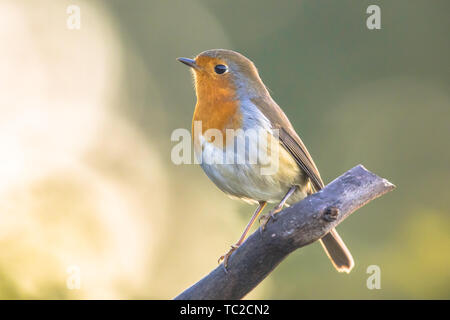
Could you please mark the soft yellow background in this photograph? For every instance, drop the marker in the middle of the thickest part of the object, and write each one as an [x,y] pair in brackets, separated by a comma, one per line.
[86,178]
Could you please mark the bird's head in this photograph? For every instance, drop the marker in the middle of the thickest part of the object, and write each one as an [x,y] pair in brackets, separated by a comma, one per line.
[225,73]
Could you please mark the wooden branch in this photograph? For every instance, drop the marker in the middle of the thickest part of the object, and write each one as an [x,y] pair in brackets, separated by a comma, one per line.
[297,226]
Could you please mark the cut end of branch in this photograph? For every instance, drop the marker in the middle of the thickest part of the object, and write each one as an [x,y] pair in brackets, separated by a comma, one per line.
[389,185]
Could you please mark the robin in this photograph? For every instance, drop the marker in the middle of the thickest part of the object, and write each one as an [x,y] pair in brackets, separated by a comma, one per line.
[231,97]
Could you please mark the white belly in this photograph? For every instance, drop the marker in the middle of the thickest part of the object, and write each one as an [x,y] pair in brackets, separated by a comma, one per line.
[266,179]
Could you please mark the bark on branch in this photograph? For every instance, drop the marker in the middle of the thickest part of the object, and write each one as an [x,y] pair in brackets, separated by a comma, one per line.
[297,226]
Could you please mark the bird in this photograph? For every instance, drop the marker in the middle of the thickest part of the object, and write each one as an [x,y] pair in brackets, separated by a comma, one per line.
[231,97]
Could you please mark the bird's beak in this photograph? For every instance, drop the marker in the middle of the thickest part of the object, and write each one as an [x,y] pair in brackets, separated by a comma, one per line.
[189,62]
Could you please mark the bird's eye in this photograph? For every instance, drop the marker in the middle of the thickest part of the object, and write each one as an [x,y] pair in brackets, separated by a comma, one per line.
[220,68]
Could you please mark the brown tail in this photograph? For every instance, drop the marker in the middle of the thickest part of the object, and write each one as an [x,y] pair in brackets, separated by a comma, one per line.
[338,253]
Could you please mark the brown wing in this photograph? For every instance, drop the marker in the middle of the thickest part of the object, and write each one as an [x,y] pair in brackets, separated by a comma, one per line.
[289,139]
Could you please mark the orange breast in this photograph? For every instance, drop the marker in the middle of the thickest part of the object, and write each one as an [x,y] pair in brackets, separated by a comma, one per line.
[217,108]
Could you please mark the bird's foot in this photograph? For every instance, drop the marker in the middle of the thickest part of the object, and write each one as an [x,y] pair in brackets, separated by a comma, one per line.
[265,218]
[226,256]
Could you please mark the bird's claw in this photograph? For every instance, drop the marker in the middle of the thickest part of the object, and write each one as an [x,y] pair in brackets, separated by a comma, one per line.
[226,256]
[265,218]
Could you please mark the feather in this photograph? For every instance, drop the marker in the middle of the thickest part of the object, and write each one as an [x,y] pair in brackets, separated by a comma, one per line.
[289,138]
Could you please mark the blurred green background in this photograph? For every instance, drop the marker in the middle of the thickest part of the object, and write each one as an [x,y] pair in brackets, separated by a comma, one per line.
[86,118]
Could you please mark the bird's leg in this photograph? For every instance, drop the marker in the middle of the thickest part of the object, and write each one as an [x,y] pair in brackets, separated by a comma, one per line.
[266,217]
[258,210]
